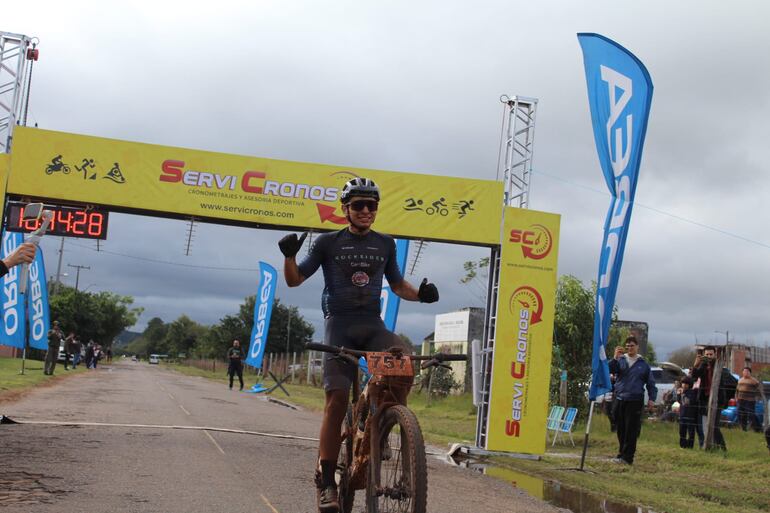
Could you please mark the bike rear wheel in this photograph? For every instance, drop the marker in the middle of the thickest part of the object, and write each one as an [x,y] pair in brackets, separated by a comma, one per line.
[398,478]
[344,462]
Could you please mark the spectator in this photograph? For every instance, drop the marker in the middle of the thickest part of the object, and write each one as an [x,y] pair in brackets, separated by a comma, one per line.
[97,355]
[235,357]
[688,413]
[108,352]
[54,340]
[77,347]
[69,349]
[633,375]
[90,354]
[746,396]
[703,369]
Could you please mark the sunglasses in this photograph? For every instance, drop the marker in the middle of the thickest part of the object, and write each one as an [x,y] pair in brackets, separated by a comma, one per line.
[359,205]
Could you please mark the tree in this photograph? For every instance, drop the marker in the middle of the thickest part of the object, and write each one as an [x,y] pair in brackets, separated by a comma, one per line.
[763,374]
[300,332]
[573,336]
[684,356]
[651,357]
[183,336]
[476,277]
[239,326]
[408,342]
[100,316]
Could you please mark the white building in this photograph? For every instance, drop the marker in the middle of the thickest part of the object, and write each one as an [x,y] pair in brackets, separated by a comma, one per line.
[453,334]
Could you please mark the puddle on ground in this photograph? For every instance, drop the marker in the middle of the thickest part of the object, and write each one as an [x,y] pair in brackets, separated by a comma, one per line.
[573,499]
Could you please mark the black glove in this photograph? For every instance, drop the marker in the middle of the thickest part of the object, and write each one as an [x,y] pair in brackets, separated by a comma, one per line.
[290,244]
[428,293]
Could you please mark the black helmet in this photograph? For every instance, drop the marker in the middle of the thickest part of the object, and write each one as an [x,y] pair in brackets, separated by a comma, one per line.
[360,187]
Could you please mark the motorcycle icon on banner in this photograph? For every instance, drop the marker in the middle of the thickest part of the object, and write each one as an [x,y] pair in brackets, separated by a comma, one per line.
[56,166]
[89,167]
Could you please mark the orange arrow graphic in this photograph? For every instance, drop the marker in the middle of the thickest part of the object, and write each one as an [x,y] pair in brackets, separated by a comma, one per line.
[326,213]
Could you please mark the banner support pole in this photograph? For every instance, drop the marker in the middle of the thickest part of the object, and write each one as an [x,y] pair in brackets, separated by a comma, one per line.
[588,432]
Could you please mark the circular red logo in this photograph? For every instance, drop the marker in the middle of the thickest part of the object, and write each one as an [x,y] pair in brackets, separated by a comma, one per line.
[360,279]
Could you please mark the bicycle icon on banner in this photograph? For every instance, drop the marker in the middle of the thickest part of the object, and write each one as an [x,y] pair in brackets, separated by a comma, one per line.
[438,207]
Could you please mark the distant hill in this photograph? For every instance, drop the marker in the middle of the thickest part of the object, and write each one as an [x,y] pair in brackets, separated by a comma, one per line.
[125,338]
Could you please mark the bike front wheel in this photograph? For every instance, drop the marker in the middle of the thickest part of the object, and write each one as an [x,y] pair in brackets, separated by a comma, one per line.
[398,476]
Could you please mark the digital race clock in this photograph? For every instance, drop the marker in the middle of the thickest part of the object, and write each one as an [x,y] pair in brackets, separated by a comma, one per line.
[67,221]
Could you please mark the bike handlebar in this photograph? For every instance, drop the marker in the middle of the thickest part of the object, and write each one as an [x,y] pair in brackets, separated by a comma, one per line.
[438,357]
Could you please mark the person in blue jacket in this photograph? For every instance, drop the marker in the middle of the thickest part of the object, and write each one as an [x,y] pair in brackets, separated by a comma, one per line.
[633,375]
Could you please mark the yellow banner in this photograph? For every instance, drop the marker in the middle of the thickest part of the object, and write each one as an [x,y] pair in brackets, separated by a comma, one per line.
[4,163]
[277,193]
[521,370]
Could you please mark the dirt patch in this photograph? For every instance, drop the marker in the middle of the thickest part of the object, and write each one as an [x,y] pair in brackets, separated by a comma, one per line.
[26,488]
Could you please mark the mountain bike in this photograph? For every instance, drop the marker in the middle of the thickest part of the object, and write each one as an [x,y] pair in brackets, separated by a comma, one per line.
[382,448]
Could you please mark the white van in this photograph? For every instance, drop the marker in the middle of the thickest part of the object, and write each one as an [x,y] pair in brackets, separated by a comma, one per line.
[154,359]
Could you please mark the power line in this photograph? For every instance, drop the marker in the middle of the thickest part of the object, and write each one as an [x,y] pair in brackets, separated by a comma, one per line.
[657,210]
[166,262]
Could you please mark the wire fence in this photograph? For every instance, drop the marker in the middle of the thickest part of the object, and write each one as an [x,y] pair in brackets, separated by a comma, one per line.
[301,368]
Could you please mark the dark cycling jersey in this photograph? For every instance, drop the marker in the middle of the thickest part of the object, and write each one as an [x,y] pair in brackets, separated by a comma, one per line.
[353,266]
[235,354]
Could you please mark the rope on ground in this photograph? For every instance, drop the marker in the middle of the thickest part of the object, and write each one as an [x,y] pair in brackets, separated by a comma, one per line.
[157,426]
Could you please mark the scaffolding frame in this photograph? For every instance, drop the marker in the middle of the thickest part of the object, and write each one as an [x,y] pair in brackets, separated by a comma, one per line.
[517,141]
[519,129]
[13,84]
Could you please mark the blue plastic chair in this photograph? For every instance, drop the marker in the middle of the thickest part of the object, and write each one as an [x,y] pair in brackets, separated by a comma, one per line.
[554,419]
[565,425]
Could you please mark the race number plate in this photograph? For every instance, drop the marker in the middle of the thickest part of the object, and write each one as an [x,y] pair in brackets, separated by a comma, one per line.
[385,364]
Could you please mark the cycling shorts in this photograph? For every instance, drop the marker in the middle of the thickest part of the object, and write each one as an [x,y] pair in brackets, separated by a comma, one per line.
[353,332]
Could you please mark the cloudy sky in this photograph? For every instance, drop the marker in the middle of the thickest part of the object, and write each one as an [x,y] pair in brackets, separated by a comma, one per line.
[414,87]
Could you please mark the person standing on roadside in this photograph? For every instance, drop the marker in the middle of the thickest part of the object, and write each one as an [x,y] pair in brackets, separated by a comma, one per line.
[68,348]
[55,336]
[688,413]
[633,375]
[746,395]
[235,357]
[76,348]
[703,369]
[90,354]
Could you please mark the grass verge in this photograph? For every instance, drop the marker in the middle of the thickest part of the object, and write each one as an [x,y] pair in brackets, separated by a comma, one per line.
[663,477]
[12,382]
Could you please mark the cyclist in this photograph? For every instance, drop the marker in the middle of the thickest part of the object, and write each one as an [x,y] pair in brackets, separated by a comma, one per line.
[354,261]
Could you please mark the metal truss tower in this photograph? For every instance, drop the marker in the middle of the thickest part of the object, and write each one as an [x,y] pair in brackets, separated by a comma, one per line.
[14,53]
[519,129]
[517,138]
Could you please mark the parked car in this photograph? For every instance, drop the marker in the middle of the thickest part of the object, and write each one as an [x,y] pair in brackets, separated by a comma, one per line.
[729,415]
[154,359]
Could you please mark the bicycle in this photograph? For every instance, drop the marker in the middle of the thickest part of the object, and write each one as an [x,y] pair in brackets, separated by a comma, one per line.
[382,445]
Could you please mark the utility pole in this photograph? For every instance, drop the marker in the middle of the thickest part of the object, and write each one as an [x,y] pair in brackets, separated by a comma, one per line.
[77,276]
[288,333]
[58,267]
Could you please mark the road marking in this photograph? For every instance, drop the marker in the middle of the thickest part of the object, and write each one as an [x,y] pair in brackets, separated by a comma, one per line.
[183,409]
[268,503]
[214,441]
[171,396]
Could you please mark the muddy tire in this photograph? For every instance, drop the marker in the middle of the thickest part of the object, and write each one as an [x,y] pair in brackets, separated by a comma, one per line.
[398,477]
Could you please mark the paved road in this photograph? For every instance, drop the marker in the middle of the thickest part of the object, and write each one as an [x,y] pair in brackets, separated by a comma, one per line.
[49,468]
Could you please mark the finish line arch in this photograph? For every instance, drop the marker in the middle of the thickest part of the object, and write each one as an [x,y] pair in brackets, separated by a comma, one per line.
[163,181]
